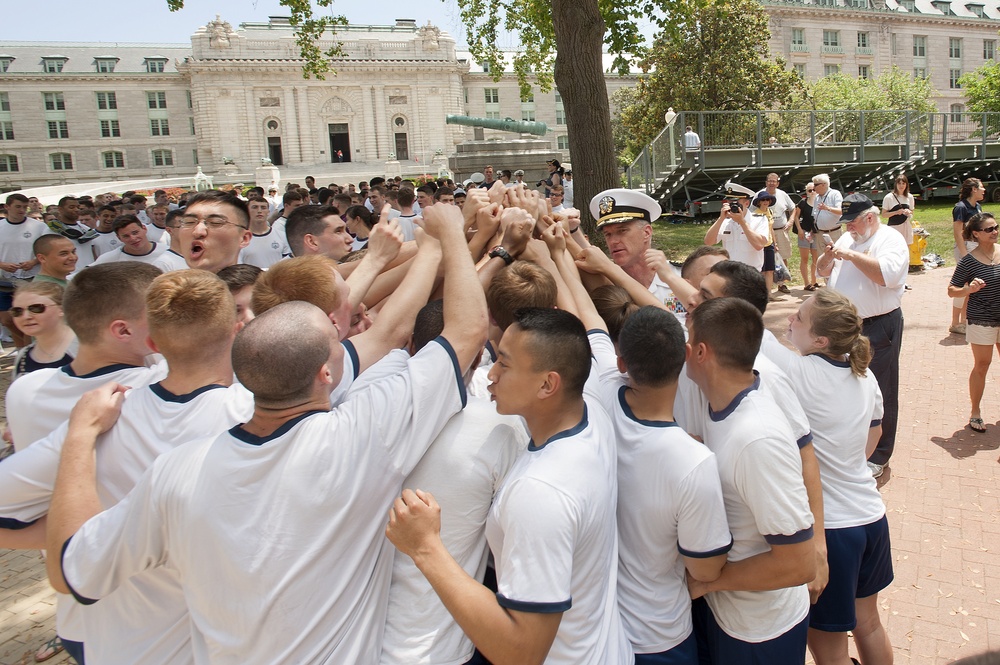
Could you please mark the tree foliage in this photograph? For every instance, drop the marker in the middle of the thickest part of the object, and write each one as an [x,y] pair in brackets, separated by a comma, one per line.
[309,29]
[712,55]
[622,100]
[982,88]
[892,90]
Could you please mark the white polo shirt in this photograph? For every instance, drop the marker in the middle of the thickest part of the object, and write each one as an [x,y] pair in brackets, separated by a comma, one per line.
[105,242]
[16,241]
[266,249]
[290,526]
[766,504]
[169,261]
[894,259]
[669,506]
[552,531]
[843,408]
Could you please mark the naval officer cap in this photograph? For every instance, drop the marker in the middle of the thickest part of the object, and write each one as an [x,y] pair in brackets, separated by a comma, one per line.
[616,206]
[736,191]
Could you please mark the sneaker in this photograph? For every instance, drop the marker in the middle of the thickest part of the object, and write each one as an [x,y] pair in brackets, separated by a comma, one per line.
[876,469]
[958,329]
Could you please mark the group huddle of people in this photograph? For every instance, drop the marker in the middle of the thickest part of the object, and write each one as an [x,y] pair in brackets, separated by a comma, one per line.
[465,436]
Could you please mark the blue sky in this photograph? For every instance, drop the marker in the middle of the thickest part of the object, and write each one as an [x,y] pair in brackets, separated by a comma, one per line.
[150,21]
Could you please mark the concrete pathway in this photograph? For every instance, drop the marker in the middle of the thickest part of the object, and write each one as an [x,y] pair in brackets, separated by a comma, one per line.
[941,490]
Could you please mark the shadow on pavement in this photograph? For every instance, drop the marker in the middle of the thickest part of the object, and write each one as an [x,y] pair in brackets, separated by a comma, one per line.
[966,443]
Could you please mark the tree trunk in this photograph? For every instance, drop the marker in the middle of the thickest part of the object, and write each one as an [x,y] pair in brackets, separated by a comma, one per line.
[579,76]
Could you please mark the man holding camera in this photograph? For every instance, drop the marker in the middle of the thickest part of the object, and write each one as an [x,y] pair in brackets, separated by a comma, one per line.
[743,234]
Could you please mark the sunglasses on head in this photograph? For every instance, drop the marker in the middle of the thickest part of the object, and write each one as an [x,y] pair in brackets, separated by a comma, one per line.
[37,308]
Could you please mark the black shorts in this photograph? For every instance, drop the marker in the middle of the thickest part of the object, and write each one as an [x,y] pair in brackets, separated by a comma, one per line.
[768,259]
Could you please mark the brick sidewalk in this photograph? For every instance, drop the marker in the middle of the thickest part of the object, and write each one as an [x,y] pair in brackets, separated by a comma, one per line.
[940,490]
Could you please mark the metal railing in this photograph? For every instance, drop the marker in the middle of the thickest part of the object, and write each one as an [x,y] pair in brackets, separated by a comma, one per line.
[904,134]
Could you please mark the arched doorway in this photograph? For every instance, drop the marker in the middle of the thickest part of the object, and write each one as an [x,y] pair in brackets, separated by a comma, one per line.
[402,144]
[272,130]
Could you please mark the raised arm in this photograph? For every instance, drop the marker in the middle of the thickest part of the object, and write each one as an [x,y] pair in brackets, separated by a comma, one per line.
[384,244]
[465,317]
[75,498]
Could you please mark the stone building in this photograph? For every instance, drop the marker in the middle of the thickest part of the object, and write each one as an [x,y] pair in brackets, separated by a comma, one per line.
[74,112]
[936,39]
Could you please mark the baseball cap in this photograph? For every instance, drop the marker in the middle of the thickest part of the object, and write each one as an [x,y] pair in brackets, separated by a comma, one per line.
[853,205]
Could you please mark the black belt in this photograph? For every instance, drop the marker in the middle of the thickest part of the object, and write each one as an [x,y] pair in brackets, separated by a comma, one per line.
[835,228]
[872,319]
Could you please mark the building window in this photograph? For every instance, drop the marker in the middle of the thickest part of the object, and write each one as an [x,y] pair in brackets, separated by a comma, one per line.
[826,3]
[107,101]
[831,38]
[155,65]
[61,161]
[492,95]
[908,5]
[831,70]
[944,6]
[6,130]
[163,158]
[859,4]
[113,159]
[54,101]
[892,43]
[527,115]
[109,129]
[105,65]
[863,40]
[159,127]
[955,47]
[190,103]
[4,101]
[53,65]
[194,156]
[562,142]
[156,100]
[919,72]
[798,37]
[800,69]
[4,66]
[8,164]
[919,46]
[58,129]
[989,49]
[864,72]
[192,126]
[953,76]
[957,113]
[976,9]
[560,110]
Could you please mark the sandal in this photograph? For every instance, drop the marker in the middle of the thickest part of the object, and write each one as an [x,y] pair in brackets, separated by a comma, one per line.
[810,287]
[817,286]
[976,424]
[49,649]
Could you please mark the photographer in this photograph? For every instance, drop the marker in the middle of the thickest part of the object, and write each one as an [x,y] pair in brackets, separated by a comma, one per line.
[743,233]
[554,177]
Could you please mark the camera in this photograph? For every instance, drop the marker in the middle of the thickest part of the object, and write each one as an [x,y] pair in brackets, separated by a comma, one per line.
[734,207]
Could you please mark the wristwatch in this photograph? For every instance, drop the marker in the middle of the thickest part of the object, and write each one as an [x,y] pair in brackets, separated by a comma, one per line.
[499,251]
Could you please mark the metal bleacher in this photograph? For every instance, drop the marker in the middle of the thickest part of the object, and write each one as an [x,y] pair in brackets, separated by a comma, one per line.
[860,150]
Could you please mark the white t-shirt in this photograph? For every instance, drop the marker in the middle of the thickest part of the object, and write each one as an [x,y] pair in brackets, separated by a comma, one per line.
[669,505]
[16,241]
[894,259]
[38,403]
[553,535]
[266,249]
[290,526]
[406,225]
[841,409]
[170,260]
[766,503]
[463,468]
[146,619]
[105,242]
[734,240]
[119,254]
[155,234]
[781,209]
[691,405]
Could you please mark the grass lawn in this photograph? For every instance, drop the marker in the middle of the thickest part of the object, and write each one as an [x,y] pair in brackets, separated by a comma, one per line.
[678,240]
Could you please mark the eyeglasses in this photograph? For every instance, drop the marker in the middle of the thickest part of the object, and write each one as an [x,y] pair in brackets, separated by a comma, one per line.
[810,190]
[211,222]
[39,308]
[989,229]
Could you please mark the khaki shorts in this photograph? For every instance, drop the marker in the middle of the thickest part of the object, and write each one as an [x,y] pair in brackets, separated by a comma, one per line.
[985,335]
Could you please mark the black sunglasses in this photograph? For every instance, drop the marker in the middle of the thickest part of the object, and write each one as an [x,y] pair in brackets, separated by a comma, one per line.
[37,308]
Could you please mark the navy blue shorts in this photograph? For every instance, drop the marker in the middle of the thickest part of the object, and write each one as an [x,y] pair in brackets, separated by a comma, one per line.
[715,647]
[685,653]
[768,259]
[860,561]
